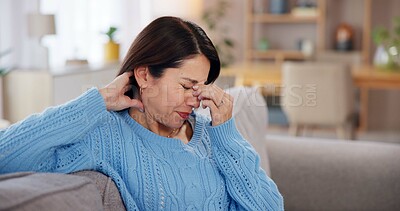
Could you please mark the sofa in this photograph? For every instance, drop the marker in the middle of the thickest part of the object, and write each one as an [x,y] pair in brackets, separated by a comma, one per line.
[323,174]
[311,173]
[85,190]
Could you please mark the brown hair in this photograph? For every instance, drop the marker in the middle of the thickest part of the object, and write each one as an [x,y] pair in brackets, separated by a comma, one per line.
[165,43]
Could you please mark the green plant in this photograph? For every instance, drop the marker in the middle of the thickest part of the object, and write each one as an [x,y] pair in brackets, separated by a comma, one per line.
[382,36]
[110,33]
[223,43]
[390,41]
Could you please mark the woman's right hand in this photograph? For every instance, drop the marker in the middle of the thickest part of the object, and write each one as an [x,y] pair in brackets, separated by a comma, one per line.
[113,94]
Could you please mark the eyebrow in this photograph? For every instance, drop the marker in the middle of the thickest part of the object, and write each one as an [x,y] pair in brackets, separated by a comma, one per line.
[191,80]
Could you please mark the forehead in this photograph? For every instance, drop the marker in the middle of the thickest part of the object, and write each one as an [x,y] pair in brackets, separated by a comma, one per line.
[194,69]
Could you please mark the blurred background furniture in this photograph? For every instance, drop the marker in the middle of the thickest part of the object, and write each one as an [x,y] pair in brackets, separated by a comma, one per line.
[368,78]
[39,89]
[365,78]
[3,123]
[318,94]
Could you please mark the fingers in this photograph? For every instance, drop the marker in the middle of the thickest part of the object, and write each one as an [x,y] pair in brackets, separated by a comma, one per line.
[214,93]
[209,92]
[209,103]
[127,74]
[126,88]
[219,102]
[114,94]
[136,104]
[123,79]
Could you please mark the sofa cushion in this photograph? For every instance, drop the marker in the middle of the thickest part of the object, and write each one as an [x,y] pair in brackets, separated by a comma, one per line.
[110,195]
[48,191]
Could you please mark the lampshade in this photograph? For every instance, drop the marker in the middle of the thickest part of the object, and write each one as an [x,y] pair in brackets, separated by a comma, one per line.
[40,25]
[191,10]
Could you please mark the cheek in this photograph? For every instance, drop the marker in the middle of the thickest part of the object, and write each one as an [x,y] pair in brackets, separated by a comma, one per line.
[175,97]
[169,97]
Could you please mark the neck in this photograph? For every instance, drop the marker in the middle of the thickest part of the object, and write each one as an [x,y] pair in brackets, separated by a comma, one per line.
[151,124]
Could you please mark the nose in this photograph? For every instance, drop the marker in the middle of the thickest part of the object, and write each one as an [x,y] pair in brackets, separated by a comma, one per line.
[192,101]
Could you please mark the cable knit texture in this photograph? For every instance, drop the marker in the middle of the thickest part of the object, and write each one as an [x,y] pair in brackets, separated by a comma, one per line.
[216,170]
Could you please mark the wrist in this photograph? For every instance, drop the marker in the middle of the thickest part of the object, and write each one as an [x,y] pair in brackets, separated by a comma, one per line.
[106,97]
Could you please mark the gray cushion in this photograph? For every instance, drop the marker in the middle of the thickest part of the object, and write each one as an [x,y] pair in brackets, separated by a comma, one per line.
[45,191]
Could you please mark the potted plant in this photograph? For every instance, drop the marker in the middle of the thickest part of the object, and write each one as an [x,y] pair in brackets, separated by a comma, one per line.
[387,55]
[111,48]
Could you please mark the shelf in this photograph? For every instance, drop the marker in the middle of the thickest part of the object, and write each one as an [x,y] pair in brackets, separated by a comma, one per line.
[318,25]
[286,18]
[279,55]
[301,23]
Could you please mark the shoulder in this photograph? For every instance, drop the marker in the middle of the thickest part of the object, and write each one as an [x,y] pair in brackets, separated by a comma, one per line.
[110,122]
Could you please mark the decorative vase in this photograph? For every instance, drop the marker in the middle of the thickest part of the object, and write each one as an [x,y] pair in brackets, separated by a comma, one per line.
[387,58]
[111,51]
[381,57]
[278,6]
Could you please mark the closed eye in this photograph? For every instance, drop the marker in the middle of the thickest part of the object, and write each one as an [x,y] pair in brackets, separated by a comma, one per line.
[185,87]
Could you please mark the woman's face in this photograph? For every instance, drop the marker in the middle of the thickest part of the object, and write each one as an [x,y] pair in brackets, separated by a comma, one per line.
[169,100]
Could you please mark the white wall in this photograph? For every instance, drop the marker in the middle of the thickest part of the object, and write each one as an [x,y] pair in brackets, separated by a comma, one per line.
[13,33]
[234,23]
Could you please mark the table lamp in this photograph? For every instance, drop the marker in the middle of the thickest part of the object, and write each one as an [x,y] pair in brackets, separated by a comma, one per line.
[40,25]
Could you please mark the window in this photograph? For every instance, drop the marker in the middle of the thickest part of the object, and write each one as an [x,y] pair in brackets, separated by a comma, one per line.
[80,23]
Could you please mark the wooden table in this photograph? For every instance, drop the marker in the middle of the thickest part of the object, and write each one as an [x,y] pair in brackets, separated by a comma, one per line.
[365,78]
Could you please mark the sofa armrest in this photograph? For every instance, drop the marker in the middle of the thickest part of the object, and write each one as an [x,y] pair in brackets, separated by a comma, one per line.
[110,195]
[315,174]
[47,191]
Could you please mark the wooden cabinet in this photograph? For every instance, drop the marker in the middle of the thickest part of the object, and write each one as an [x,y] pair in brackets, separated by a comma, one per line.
[284,31]
[32,91]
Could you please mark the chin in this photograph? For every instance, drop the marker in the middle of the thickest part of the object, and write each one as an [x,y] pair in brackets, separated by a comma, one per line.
[177,123]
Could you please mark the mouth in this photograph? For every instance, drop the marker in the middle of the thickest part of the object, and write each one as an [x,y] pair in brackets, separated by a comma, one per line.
[184,115]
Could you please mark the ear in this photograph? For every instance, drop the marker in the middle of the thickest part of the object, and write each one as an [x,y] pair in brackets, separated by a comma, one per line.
[142,76]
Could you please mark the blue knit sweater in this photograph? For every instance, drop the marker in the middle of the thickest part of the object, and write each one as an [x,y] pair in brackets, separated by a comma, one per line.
[216,170]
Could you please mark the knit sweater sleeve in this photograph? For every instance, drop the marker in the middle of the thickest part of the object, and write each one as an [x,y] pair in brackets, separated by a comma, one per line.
[247,182]
[35,143]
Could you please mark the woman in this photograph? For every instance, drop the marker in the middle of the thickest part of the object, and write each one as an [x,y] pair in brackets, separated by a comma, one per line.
[141,131]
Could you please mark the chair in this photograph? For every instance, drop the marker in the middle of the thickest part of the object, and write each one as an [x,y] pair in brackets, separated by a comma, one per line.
[318,94]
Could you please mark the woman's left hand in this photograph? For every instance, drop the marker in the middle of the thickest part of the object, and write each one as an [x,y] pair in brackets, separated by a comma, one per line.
[219,102]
